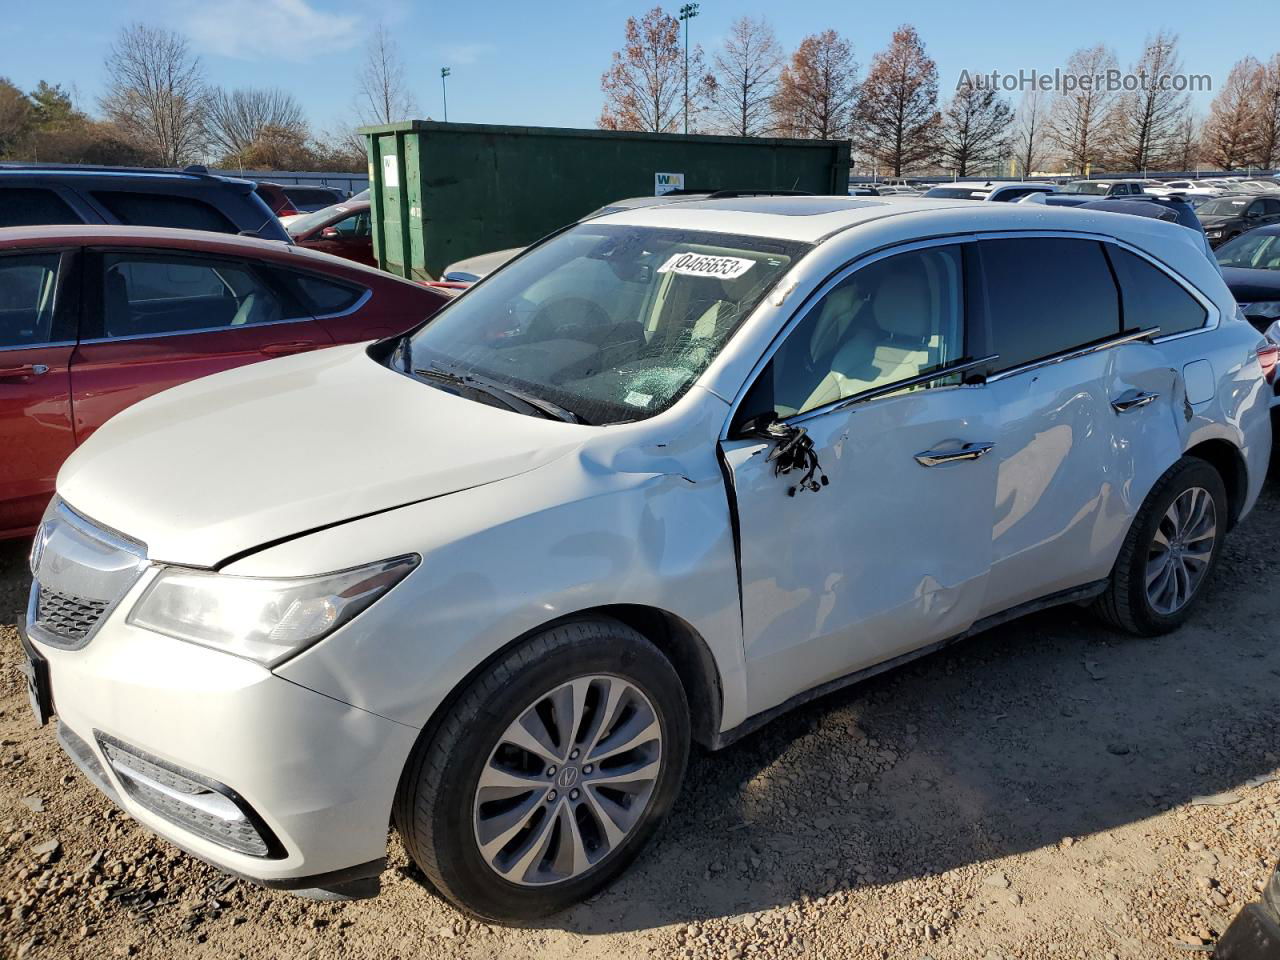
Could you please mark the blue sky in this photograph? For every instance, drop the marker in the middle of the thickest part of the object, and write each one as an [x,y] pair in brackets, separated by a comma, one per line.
[540,63]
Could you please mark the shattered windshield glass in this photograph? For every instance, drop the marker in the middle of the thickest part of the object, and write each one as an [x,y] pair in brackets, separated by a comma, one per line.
[612,323]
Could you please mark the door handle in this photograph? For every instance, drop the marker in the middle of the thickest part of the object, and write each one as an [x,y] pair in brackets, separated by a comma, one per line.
[970,451]
[1132,401]
[24,372]
[280,349]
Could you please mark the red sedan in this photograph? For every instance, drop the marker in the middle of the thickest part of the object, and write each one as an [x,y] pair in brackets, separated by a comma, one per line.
[93,319]
[344,229]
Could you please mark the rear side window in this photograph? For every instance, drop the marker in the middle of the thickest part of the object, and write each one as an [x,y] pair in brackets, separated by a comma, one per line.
[322,296]
[1046,296]
[161,210]
[27,285]
[33,207]
[152,294]
[1153,299]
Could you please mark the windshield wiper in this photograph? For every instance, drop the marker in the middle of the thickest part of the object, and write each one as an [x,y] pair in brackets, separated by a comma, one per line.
[517,400]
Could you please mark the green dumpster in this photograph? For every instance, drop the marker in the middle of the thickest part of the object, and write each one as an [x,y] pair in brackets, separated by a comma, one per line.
[444,191]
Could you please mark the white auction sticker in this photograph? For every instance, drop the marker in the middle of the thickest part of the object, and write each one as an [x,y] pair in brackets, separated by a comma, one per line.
[704,265]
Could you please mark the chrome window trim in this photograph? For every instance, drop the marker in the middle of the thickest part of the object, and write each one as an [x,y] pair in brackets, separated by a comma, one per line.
[876,393]
[1116,341]
[38,346]
[187,333]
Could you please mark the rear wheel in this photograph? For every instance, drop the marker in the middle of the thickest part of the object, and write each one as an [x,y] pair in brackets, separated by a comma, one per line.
[549,772]
[1170,551]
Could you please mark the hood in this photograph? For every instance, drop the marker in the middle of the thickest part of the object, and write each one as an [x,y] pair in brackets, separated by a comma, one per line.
[255,455]
[1248,285]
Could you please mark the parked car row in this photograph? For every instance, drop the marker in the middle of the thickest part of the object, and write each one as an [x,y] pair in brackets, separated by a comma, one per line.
[94,318]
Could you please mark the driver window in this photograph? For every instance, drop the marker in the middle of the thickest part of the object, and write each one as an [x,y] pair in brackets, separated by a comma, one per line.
[889,321]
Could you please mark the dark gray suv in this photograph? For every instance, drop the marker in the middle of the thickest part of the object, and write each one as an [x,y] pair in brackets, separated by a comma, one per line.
[36,195]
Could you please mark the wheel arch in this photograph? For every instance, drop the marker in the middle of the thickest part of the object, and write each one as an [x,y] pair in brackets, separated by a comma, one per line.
[678,641]
[1225,457]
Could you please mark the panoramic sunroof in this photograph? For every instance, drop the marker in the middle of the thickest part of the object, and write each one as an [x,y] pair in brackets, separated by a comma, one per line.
[790,206]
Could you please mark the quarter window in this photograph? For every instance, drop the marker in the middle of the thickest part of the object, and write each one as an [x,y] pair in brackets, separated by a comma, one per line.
[321,296]
[162,210]
[23,207]
[27,285]
[1153,299]
[887,322]
[150,294]
[1045,296]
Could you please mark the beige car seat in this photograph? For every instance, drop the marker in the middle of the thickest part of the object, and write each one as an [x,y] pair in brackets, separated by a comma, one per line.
[892,339]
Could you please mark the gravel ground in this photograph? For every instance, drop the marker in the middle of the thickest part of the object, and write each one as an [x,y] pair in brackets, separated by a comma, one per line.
[1049,789]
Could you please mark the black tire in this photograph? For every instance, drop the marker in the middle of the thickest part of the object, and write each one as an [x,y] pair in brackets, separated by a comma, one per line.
[434,804]
[1125,604]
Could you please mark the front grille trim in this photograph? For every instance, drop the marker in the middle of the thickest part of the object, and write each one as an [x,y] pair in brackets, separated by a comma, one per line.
[81,571]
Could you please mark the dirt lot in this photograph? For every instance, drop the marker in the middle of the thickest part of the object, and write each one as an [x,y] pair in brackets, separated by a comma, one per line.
[1046,790]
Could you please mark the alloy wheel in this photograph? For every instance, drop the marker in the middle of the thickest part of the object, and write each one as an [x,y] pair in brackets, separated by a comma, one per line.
[1181,550]
[569,780]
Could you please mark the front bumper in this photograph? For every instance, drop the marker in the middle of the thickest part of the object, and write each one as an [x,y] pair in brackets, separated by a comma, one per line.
[318,775]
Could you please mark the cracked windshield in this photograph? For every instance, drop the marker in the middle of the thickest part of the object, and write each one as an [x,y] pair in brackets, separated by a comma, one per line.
[609,323]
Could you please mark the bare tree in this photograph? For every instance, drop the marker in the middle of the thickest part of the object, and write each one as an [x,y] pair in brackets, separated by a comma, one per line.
[818,88]
[1029,133]
[1145,123]
[238,118]
[644,85]
[746,78]
[156,93]
[1186,151]
[1269,114]
[897,117]
[382,94]
[975,129]
[1231,134]
[1077,119]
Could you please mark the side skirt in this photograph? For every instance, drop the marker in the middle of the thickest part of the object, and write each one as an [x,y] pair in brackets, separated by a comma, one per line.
[753,723]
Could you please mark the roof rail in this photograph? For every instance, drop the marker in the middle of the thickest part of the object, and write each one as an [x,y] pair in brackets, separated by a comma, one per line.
[728,194]
[194,170]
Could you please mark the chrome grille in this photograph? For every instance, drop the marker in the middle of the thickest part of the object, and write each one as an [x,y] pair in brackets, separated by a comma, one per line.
[71,618]
[80,571]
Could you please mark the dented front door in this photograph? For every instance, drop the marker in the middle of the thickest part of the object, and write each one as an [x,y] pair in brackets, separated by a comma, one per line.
[892,554]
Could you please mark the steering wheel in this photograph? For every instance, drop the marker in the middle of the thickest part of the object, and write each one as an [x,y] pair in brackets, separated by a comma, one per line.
[586,313]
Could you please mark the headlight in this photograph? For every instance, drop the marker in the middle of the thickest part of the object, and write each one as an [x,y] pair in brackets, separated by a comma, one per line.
[1213,231]
[263,619]
[1264,308]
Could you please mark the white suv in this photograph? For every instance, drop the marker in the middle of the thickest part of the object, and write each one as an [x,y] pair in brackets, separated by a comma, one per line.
[656,480]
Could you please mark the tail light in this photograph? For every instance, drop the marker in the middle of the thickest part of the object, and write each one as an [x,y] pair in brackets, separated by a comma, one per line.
[1268,356]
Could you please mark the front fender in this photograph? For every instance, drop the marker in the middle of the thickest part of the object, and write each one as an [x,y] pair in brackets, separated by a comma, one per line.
[501,560]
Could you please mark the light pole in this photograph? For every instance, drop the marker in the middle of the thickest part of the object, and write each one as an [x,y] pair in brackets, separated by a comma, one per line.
[444,93]
[687,13]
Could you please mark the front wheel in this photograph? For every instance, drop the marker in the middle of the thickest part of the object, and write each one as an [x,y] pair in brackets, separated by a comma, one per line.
[1170,552]
[549,773]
